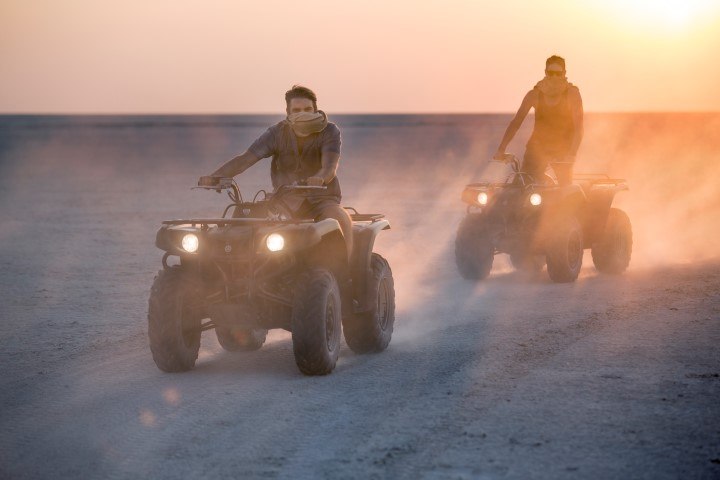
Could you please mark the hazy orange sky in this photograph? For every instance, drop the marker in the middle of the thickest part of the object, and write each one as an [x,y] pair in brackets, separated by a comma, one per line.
[222,56]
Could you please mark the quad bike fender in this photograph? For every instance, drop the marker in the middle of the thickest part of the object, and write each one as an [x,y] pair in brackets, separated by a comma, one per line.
[570,198]
[558,205]
[327,249]
[600,201]
[363,242]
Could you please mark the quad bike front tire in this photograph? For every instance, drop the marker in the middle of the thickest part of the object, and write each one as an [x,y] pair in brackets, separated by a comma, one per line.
[564,252]
[316,322]
[371,331]
[474,250]
[240,339]
[612,253]
[174,318]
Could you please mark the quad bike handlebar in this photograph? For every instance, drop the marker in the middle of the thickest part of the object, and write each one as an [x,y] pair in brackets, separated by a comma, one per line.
[274,199]
[210,182]
[214,182]
[592,180]
[298,186]
[508,159]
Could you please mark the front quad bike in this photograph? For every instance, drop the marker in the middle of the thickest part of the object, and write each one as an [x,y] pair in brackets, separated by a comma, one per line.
[539,222]
[262,268]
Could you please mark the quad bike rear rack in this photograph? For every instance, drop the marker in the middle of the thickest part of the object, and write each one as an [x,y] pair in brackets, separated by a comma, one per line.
[364,217]
[601,181]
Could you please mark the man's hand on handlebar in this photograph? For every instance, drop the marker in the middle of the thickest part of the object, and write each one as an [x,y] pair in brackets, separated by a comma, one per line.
[299,186]
[214,181]
[314,181]
[208,181]
[501,156]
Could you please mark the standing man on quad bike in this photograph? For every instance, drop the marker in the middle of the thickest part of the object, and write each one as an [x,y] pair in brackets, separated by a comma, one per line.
[558,126]
[304,147]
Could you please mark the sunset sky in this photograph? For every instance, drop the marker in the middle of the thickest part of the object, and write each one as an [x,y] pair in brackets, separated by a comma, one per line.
[222,56]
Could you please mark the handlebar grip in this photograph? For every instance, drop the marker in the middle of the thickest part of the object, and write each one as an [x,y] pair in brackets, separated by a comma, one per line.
[208,181]
[215,181]
[505,158]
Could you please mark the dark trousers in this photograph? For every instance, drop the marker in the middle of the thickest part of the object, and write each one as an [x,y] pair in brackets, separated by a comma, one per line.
[536,162]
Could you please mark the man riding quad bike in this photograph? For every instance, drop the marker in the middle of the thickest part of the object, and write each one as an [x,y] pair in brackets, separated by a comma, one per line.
[537,221]
[265,268]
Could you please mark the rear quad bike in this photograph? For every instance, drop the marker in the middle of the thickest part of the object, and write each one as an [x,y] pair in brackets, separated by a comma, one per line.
[263,268]
[538,222]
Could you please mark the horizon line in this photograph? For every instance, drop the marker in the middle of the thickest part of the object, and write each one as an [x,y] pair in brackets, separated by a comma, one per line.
[149,114]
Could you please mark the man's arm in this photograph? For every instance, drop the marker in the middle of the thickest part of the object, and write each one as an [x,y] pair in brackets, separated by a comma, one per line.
[576,107]
[329,157]
[327,171]
[527,103]
[236,165]
[263,147]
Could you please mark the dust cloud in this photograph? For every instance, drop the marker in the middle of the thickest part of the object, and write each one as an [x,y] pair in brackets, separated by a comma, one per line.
[78,177]
[672,164]
[414,170]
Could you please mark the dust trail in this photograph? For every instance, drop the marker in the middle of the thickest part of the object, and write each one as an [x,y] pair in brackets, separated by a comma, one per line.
[122,176]
[672,163]
[669,160]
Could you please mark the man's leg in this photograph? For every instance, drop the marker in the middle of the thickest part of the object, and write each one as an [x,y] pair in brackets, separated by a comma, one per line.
[334,210]
[535,165]
[563,172]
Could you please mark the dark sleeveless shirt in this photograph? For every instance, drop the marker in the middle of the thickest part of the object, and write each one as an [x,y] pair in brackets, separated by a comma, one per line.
[554,128]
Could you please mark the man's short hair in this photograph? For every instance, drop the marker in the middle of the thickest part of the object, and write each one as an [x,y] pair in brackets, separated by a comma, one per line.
[555,59]
[298,91]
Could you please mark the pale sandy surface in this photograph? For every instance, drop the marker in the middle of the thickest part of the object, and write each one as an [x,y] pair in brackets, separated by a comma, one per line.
[610,377]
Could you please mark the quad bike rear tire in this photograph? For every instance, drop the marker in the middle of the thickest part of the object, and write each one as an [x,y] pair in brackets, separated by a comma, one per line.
[612,253]
[474,250]
[174,318]
[564,251]
[316,322]
[371,331]
[240,339]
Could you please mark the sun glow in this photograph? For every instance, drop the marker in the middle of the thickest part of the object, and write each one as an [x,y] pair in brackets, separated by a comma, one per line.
[665,14]
[613,48]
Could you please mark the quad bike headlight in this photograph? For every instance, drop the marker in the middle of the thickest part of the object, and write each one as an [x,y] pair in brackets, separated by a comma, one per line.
[275,242]
[190,243]
[482,198]
[535,199]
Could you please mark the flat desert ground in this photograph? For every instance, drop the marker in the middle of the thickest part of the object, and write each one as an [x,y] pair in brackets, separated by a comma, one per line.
[513,377]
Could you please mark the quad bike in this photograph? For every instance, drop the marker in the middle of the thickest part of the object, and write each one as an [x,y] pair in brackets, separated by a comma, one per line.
[263,268]
[538,222]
